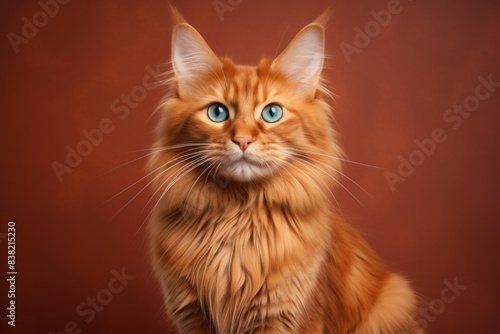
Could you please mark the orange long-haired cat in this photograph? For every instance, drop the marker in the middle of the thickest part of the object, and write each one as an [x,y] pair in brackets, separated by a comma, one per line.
[244,236]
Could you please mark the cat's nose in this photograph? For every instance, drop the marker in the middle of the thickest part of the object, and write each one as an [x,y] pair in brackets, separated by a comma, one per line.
[243,141]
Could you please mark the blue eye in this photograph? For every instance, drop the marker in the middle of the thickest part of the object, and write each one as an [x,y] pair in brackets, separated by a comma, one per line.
[272,113]
[217,112]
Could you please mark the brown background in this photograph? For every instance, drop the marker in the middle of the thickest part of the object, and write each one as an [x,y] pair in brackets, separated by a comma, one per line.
[441,223]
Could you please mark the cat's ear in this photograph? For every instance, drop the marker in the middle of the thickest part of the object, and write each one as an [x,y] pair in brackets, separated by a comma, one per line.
[191,56]
[302,60]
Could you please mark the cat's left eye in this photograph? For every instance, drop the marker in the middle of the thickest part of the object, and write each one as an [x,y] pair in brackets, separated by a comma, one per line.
[272,113]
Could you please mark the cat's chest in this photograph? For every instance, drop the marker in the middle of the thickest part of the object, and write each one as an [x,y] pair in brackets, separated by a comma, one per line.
[246,240]
[235,248]
[234,262]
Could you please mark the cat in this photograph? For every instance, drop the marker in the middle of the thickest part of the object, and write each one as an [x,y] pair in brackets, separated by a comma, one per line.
[244,236]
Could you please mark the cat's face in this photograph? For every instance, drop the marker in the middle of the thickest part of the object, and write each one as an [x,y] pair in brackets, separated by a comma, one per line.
[247,123]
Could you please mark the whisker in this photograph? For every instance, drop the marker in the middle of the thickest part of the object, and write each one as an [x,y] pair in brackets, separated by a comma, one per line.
[189,144]
[155,150]
[210,171]
[315,184]
[173,175]
[177,178]
[143,188]
[336,170]
[273,167]
[329,190]
[334,179]
[334,197]
[152,172]
[190,189]
[337,158]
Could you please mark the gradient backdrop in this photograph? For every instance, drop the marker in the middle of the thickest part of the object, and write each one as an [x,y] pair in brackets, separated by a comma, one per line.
[74,72]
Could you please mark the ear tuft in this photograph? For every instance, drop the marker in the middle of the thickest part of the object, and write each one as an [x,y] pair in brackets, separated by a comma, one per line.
[175,15]
[323,19]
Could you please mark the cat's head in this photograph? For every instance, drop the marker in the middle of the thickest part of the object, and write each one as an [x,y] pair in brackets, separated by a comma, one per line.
[247,123]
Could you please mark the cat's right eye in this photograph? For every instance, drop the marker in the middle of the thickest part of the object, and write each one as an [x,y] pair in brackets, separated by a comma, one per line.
[217,112]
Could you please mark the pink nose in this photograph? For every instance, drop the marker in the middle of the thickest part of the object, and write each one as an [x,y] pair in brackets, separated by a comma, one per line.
[243,141]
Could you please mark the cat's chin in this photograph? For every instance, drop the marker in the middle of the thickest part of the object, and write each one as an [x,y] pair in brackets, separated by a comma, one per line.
[245,170]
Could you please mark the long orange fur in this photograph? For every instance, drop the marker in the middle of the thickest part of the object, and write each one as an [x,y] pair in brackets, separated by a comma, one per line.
[266,253]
